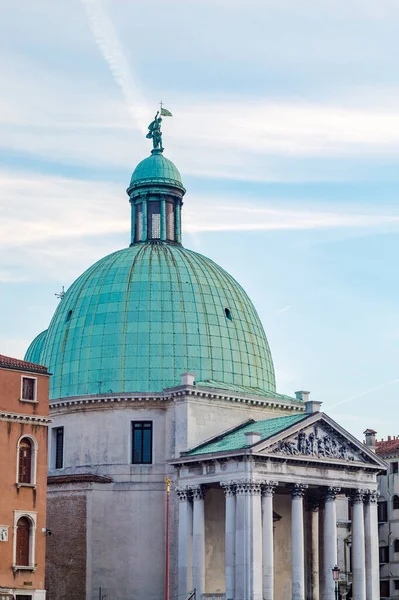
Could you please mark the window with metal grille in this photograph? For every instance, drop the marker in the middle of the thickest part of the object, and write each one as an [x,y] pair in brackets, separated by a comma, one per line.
[170,222]
[25,455]
[384,554]
[142,442]
[23,542]
[138,227]
[59,447]
[28,388]
[154,220]
[382,511]
[394,467]
[384,589]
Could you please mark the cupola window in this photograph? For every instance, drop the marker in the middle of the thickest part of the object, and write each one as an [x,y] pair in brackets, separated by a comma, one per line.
[154,220]
[170,222]
[138,236]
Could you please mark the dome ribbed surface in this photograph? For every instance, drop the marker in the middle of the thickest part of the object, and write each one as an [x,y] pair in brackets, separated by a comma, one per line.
[156,169]
[34,351]
[140,317]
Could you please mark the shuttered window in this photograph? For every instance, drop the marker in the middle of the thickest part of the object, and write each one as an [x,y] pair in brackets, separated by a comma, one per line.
[28,388]
[142,442]
[25,461]
[23,542]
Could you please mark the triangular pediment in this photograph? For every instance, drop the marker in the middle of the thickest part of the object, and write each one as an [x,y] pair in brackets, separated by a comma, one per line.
[318,439]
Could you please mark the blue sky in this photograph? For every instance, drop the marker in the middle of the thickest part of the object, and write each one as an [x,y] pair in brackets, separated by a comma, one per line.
[286,132]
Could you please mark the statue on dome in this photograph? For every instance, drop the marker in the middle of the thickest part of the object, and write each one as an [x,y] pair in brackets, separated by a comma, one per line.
[155,133]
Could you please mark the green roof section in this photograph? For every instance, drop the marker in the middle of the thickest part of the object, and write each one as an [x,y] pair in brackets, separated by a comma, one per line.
[33,353]
[238,389]
[236,440]
[156,170]
[138,318]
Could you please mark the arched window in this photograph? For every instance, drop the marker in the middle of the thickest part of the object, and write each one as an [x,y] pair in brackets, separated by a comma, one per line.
[395,502]
[25,461]
[23,542]
[396,546]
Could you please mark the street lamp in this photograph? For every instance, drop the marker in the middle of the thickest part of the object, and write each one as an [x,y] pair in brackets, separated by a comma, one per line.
[335,573]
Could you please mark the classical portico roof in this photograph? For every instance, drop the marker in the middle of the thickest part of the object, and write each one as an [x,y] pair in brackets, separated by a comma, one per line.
[312,437]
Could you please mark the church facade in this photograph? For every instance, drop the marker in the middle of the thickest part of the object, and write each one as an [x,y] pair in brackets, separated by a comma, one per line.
[162,369]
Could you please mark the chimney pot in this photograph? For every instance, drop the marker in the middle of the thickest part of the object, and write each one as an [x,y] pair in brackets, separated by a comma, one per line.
[252,437]
[302,395]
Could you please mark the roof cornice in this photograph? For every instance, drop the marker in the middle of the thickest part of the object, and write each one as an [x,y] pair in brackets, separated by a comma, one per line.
[18,418]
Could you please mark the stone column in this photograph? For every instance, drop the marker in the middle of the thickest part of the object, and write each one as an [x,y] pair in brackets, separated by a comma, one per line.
[230,538]
[314,562]
[268,489]
[248,580]
[371,546]
[297,541]
[358,552]
[184,542]
[198,540]
[330,541]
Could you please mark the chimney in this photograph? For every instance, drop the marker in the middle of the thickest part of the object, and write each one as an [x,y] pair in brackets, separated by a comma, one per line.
[311,406]
[370,439]
[252,437]
[187,379]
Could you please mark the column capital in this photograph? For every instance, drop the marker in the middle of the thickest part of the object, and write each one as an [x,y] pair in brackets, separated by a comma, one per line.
[229,488]
[371,496]
[269,487]
[298,490]
[357,496]
[197,492]
[330,494]
[182,493]
[248,487]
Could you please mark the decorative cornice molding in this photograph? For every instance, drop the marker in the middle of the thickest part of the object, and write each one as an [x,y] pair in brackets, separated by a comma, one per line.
[18,418]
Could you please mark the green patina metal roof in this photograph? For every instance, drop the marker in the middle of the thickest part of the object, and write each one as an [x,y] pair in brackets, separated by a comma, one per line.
[156,169]
[239,389]
[35,349]
[138,318]
[236,440]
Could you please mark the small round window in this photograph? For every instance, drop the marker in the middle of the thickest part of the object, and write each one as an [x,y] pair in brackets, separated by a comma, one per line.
[227,312]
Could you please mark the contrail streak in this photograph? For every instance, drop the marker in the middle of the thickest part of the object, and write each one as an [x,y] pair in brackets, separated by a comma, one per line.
[374,389]
[107,41]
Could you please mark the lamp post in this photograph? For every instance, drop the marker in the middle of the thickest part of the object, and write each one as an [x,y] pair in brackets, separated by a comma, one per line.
[335,573]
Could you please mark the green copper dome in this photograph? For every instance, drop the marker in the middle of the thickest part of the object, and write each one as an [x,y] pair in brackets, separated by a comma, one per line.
[34,351]
[140,317]
[156,169]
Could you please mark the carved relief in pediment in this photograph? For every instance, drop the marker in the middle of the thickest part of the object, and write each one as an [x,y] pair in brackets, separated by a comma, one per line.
[318,443]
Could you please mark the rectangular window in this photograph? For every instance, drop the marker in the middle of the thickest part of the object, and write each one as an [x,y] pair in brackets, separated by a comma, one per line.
[154,220]
[170,221]
[59,447]
[382,512]
[396,583]
[384,589]
[138,234]
[142,442]
[394,467]
[384,554]
[28,389]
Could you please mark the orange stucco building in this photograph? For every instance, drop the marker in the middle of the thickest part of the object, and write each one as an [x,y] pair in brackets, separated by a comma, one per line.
[24,393]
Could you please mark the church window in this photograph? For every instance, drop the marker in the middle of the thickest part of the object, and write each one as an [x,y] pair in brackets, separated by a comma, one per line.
[170,221]
[384,554]
[138,234]
[22,558]
[25,460]
[384,588]
[58,440]
[28,391]
[227,312]
[396,546]
[395,502]
[154,220]
[394,467]
[142,442]
[382,511]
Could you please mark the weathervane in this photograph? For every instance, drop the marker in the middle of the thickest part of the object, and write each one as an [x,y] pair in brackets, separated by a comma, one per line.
[154,128]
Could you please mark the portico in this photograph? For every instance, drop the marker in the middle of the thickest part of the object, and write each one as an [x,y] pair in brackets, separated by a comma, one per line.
[268,488]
